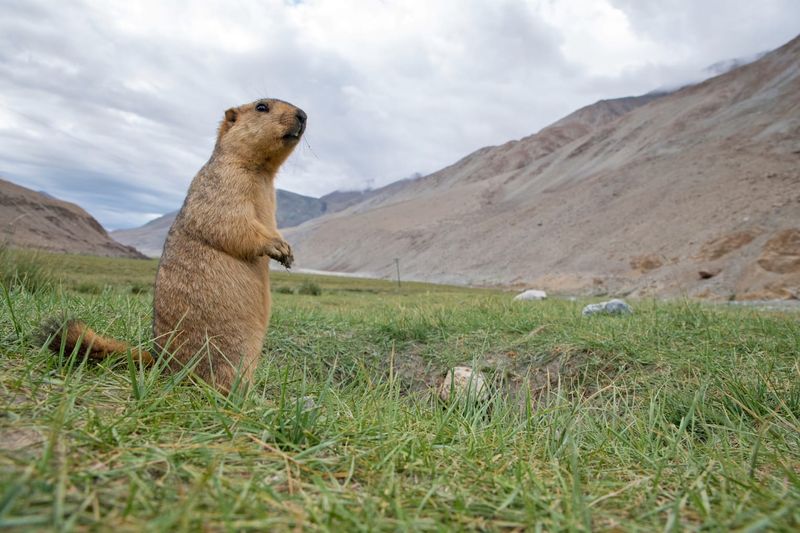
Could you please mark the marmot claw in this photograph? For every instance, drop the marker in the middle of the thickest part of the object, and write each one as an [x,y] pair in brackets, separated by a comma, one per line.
[281,252]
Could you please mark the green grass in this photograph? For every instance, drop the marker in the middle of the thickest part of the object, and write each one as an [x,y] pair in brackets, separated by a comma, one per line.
[23,270]
[683,416]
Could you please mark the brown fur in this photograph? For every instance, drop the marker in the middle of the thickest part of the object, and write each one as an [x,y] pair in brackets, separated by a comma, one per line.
[212,294]
[74,333]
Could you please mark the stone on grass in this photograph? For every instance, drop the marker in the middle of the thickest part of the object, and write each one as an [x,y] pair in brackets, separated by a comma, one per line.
[531,294]
[611,307]
[309,402]
[462,382]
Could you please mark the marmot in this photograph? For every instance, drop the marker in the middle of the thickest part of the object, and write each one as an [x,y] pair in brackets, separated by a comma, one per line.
[212,294]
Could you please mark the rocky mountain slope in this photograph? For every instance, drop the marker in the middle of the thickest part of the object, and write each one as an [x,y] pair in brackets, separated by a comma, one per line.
[149,238]
[31,219]
[339,200]
[696,192]
[293,209]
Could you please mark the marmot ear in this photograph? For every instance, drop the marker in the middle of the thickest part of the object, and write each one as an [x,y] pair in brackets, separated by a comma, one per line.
[230,117]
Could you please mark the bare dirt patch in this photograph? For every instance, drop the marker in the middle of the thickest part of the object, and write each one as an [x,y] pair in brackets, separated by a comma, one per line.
[415,372]
[564,370]
[646,263]
[771,292]
[722,246]
[781,254]
[18,439]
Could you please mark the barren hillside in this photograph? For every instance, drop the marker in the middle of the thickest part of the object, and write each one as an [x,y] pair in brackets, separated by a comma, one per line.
[696,192]
[30,219]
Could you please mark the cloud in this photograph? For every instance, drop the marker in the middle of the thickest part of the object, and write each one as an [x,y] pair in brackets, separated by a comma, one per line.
[114,105]
[708,31]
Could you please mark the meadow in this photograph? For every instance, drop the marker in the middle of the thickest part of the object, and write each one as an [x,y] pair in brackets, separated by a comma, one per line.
[683,416]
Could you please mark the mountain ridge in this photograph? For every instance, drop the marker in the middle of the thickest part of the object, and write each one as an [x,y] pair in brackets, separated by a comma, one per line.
[625,203]
[32,219]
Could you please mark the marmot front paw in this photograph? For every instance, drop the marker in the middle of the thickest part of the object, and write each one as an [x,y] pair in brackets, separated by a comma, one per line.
[280,251]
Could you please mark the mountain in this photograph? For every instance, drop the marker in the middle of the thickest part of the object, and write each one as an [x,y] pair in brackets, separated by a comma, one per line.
[715,69]
[689,193]
[293,209]
[340,200]
[721,67]
[149,238]
[30,219]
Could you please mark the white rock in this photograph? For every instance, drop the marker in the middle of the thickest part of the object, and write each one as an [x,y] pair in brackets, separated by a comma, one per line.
[309,402]
[463,382]
[531,294]
[611,307]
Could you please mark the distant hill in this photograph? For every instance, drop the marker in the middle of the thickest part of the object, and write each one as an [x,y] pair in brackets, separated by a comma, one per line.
[148,239]
[695,192]
[30,219]
[293,209]
[339,200]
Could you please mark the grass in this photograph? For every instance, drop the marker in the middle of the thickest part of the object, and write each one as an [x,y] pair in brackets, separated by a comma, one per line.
[683,416]
[23,270]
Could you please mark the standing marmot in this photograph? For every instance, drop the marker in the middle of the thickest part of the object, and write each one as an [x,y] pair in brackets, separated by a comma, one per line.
[212,296]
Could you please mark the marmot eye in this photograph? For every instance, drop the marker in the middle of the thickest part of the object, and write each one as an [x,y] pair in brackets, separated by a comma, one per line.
[263,108]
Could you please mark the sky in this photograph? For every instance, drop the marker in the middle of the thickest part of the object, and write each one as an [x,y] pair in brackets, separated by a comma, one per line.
[114,105]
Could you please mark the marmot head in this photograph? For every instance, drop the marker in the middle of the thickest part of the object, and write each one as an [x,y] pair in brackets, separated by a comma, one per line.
[262,134]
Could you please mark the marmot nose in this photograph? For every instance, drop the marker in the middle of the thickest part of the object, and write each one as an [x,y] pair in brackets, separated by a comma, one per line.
[301,116]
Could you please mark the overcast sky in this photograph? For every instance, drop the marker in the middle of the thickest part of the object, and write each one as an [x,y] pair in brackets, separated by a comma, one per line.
[114,105]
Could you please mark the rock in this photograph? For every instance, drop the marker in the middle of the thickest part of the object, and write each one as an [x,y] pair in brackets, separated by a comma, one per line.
[461,382]
[709,273]
[530,294]
[309,402]
[611,307]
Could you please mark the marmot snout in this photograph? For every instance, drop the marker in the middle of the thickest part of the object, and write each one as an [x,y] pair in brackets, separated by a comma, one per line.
[264,132]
